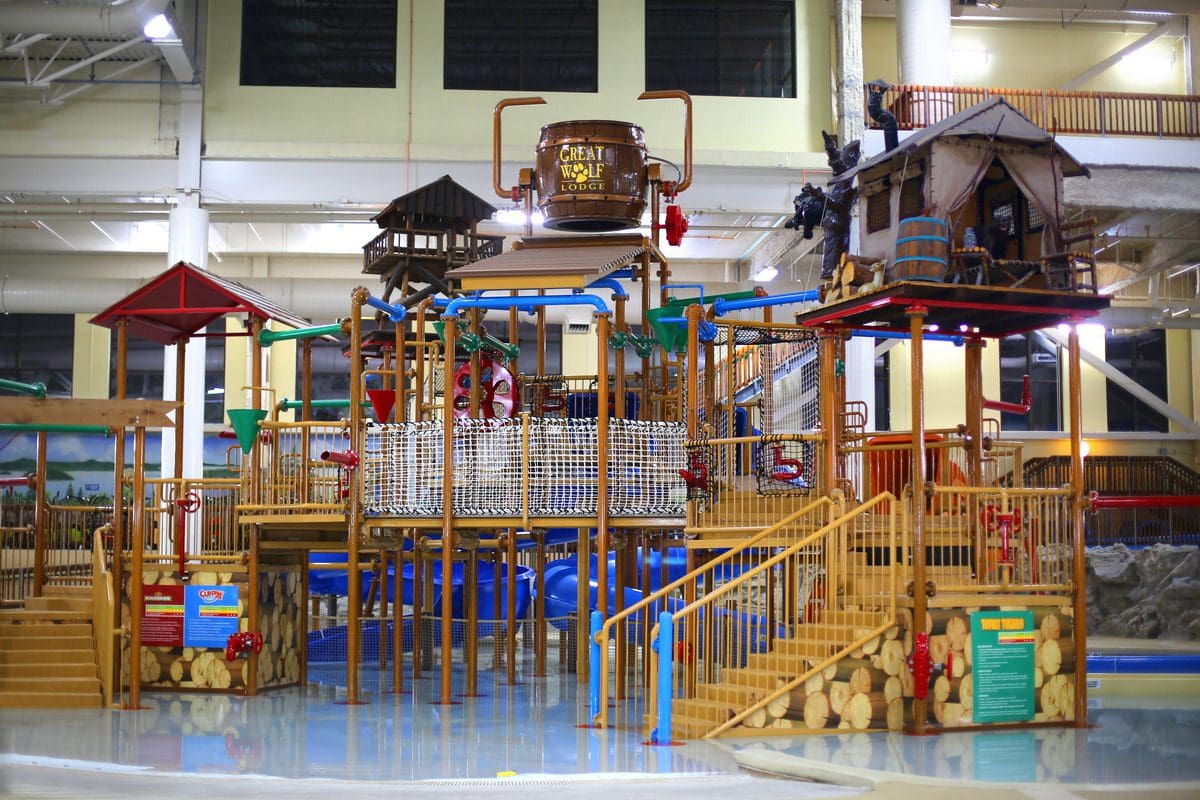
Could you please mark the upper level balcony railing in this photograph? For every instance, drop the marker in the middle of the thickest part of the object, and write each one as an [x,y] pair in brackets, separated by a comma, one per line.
[1168,116]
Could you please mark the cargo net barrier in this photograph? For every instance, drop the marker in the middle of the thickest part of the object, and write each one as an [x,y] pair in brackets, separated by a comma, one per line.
[784,467]
[402,468]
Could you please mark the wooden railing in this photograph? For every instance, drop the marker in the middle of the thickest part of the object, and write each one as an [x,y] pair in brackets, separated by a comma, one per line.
[1081,113]
[103,602]
[438,245]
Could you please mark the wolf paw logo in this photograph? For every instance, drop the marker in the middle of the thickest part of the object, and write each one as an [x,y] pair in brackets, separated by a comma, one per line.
[579,173]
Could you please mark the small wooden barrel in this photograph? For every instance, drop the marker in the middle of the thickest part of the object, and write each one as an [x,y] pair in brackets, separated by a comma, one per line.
[922,250]
[591,175]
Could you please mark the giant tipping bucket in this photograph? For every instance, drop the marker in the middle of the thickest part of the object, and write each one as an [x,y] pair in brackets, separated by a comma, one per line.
[591,175]
[922,250]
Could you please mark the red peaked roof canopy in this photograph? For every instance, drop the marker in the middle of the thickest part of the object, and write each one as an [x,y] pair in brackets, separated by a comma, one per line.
[184,300]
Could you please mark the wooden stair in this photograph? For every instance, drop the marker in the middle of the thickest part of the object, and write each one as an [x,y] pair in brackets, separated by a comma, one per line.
[47,652]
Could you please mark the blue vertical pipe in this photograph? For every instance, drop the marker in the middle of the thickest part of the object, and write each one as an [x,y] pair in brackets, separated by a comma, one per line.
[597,625]
[666,678]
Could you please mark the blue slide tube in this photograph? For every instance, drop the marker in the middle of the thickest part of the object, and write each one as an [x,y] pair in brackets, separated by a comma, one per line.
[610,283]
[928,337]
[721,306]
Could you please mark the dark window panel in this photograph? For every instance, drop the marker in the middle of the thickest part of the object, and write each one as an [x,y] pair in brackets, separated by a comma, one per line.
[528,45]
[1037,357]
[38,348]
[729,48]
[335,43]
[1142,357]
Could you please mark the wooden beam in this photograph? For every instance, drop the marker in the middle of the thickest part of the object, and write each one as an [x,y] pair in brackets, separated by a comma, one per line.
[113,413]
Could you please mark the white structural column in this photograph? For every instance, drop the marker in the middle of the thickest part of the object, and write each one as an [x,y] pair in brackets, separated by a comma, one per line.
[860,374]
[923,47]
[188,241]
[1191,55]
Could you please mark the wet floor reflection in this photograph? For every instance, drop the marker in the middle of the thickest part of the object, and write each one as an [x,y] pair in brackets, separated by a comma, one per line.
[1124,745]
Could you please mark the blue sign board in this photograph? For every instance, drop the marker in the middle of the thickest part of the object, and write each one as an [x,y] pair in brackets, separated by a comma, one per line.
[210,615]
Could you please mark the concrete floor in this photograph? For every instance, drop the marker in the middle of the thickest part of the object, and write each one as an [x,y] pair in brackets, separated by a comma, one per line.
[525,740]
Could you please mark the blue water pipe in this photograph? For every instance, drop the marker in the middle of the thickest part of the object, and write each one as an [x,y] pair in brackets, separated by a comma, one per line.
[597,625]
[394,313]
[932,337]
[610,283]
[661,734]
[526,303]
[721,306]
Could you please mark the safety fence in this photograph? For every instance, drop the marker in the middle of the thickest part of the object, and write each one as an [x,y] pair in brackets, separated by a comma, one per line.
[1084,113]
[995,539]
[301,468]
[541,467]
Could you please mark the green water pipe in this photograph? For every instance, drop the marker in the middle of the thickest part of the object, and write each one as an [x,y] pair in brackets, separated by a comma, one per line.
[344,402]
[473,344]
[266,338]
[33,389]
[20,427]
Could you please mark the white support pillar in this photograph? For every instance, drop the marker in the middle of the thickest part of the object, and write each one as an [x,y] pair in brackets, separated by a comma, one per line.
[860,374]
[188,242]
[923,48]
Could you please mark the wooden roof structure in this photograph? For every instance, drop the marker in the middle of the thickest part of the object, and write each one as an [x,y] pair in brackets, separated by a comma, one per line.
[444,201]
[185,299]
[556,262]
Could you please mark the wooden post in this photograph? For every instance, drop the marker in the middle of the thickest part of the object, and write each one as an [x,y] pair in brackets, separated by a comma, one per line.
[253,611]
[1079,558]
[137,543]
[353,574]
[827,466]
[306,346]
[916,317]
[398,620]
[974,379]
[450,330]
[39,516]
[471,601]
[119,529]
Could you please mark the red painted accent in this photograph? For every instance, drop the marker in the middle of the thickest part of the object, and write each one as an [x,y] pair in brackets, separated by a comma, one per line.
[382,401]
[10,482]
[786,470]
[499,390]
[241,644]
[1013,408]
[1095,501]
[677,225]
[696,475]
[346,459]
[187,504]
[921,665]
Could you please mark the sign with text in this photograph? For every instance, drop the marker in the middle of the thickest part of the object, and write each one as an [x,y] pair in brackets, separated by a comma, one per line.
[162,616]
[1002,645]
[210,615]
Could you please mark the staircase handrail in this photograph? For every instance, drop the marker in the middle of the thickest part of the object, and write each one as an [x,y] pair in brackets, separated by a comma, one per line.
[779,557]
[103,603]
[601,637]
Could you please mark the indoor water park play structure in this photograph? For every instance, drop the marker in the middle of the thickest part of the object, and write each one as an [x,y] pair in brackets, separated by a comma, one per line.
[832,577]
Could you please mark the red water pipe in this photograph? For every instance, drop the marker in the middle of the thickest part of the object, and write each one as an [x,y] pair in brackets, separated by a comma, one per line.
[1095,501]
[346,459]
[7,483]
[1013,408]
[184,506]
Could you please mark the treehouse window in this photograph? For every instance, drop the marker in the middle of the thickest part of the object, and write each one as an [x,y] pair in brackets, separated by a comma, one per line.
[1036,221]
[879,212]
[911,202]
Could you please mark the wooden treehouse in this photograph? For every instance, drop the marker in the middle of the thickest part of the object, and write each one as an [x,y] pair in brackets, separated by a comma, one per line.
[426,232]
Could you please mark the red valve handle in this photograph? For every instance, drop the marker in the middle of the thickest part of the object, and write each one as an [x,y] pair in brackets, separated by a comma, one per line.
[189,502]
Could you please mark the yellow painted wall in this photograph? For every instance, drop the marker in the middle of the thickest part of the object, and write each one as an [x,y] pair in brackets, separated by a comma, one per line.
[944,384]
[90,360]
[457,125]
[579,353]
[1181,373]
[1061,54]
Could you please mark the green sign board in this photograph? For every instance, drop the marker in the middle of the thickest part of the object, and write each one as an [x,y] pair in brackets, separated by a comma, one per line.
[1002,665]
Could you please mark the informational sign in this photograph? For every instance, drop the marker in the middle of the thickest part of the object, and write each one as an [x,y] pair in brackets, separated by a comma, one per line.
[162,616]
[1002,666]
[210,615]
[1006,757]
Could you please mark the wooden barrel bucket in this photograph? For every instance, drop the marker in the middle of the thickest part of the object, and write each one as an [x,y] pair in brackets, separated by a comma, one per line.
[591,175]
[922,250]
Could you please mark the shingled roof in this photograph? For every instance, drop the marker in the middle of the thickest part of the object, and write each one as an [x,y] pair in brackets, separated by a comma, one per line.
[186,299]
[444,200]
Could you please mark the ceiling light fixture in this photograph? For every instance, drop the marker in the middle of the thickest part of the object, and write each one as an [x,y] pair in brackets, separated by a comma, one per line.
[159,27]
[765,274]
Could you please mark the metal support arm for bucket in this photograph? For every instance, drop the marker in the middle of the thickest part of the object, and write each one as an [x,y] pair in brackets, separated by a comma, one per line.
[676,94]
[514,192]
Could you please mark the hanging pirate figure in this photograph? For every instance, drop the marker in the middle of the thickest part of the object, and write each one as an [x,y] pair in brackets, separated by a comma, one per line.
[838,202]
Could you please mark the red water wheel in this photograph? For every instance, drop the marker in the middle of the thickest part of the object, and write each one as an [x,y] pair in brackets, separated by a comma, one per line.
[498,397]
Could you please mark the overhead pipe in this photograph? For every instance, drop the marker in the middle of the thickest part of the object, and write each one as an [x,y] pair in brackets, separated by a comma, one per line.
[1096,501]
[722,306]
[667,94]
[511,193]
[958,341]
[524,303]
[266,338]
[610,283]
[394,313]
[21,427]
[116,19]
[32,389]
[1013,408]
